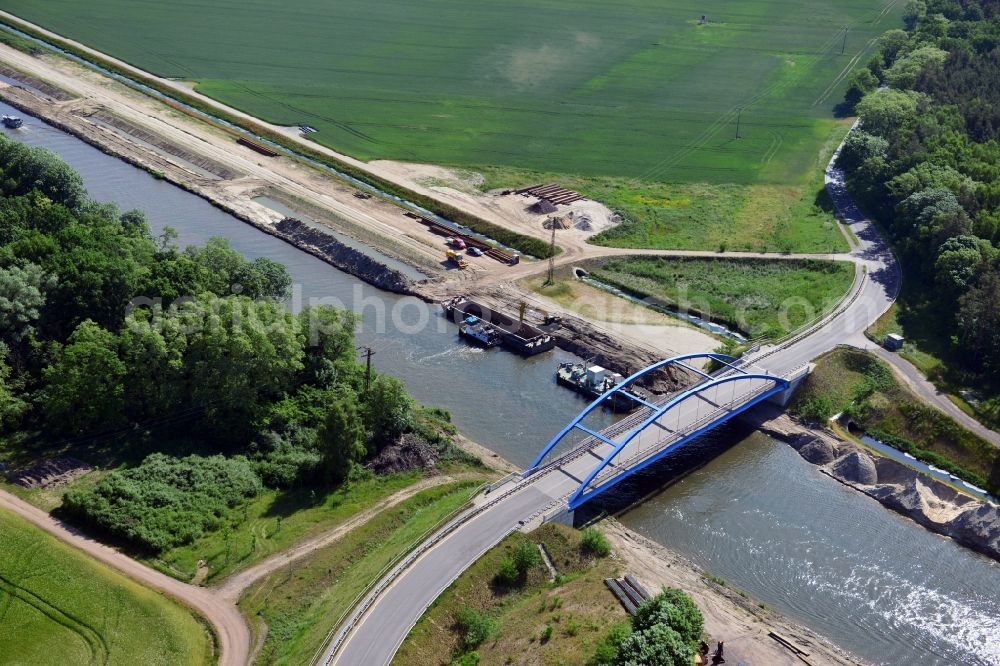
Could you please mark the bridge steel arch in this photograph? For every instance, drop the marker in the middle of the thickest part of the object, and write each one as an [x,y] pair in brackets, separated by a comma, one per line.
[733,374]
[582,495]
[724,359]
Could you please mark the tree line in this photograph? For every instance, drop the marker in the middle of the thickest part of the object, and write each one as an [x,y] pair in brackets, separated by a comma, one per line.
[118,344]
[925,162]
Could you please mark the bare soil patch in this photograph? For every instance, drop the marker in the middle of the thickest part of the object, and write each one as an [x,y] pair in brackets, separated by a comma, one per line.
[50,473]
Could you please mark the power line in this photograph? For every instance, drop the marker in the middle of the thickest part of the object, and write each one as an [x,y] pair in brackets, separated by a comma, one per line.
[368,352]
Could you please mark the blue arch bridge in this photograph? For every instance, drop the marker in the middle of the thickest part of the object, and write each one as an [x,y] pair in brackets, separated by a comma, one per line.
[660,426]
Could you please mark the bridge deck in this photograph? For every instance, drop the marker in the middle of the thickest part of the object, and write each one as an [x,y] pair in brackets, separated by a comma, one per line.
[700,407]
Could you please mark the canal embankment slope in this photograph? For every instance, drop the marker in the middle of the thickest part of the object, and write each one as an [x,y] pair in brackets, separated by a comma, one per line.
[935,505]
[745,625]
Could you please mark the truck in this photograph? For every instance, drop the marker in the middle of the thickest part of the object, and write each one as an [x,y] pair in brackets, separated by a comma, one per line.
[456,259]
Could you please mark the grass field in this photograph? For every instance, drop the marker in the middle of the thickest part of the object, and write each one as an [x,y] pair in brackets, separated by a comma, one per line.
[578,608]
[759,298]
[637,88]
[301,604]
[57,606]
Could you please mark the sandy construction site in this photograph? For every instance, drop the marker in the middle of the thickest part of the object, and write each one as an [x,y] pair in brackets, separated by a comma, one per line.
[205,158]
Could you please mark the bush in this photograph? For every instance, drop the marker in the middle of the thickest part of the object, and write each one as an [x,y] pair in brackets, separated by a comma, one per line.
[817,409]
[606,653]
[675,609]
[595,543]
[474,627]
[657,646]
[165,501]
[283,461]
[507,573]
[467,659]
[526,557]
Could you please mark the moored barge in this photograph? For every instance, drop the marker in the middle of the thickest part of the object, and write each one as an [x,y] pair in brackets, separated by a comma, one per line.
[517,336]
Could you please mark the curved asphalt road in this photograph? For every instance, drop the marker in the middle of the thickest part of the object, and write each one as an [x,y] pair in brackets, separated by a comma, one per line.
[377,627]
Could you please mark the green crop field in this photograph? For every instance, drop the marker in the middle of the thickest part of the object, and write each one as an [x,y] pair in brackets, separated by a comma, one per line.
[634,88]
[58,606]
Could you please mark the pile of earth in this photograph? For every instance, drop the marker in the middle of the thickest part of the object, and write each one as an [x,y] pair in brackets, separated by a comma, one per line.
[542,207]
[557,222]
[50,473]
[409,452]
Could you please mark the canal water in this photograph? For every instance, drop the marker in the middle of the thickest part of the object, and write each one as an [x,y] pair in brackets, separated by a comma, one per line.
[757,514]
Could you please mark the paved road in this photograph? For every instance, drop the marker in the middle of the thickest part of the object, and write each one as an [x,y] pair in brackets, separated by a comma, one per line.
[384,618]
[930,393]
[231,629]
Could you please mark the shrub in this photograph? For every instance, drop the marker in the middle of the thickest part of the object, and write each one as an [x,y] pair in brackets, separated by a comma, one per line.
[817,409]
[467,659]
[474,627]
[675,609]
[606,653]
[507,573]
[595,543]
[165,501]
[657,646]
[526,557]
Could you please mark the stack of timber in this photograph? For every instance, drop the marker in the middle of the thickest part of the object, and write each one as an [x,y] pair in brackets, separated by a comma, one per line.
[629,592]
[441,230]
[552,192]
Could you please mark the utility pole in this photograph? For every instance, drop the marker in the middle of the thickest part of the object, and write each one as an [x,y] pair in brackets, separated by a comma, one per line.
[843,46]
[368,353]
[739,112]
[552,256]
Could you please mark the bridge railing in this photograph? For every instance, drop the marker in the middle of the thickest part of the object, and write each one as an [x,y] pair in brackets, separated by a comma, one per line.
[729,363]
[697,427]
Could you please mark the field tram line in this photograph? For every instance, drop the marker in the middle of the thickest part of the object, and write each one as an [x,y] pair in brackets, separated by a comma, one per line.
[663,167]
[99,652]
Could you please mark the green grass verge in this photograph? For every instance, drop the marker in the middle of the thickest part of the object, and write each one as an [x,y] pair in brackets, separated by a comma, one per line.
[275,521]
[864,387]
[301,604]
[935,361]
[58,606]
[641,88]
[759,298]
[556,623]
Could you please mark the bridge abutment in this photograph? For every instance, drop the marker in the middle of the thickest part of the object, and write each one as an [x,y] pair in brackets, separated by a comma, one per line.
[795,380]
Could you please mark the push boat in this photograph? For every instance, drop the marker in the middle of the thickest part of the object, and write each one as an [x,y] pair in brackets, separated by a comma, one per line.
[13,122]
[479,332]
[594,381]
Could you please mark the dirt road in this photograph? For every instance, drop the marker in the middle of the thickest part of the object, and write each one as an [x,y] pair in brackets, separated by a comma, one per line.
[231,630]
[234,586]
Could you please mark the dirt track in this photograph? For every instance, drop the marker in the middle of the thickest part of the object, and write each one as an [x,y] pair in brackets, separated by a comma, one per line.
[215,604]
[234,586]
[231,630]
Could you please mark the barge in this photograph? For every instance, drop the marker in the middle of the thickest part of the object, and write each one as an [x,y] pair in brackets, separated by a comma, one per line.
[594,381]
[517,336]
